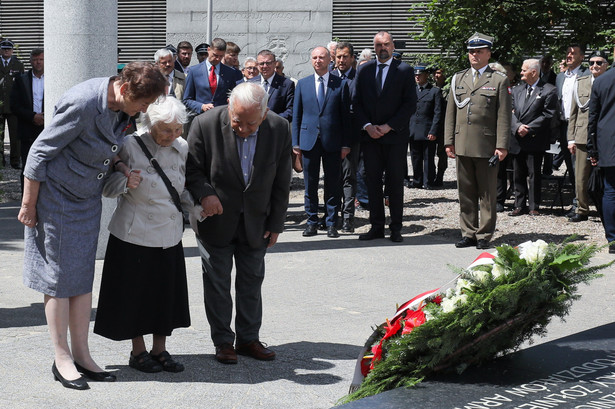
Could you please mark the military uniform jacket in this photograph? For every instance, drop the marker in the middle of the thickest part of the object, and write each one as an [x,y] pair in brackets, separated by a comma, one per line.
[7,76]
[483,123]
[577,125]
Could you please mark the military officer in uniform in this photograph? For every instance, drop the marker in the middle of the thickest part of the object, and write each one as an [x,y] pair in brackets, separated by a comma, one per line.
[577,132]
[477,132]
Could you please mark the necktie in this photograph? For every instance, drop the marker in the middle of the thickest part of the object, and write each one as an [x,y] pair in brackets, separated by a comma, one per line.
[321,92]
[342,75]
[379,77]
[266,85]
[475,78]
[529,92]
[171,92]
[213,82]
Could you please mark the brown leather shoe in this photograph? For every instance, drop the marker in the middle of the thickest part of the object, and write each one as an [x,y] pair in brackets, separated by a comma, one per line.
[534,213]
[225,353]
[256,350]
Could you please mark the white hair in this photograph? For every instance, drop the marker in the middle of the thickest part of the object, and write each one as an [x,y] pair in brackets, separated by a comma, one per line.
[163,52]
[533,64]
[249,94]
[166,109]
[331,44]
[249,59]
[365,55]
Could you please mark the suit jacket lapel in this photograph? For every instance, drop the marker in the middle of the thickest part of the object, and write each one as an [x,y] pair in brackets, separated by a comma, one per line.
[389,78]
[230,147]
[330,87]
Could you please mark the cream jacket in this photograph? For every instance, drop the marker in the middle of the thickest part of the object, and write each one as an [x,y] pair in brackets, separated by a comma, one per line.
[146,216]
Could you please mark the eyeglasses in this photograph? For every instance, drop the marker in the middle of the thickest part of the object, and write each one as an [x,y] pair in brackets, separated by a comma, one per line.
[598,63]
[267,63]
[250,68]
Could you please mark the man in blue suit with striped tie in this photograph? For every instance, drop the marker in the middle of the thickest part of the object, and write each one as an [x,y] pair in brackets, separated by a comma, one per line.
[321,130]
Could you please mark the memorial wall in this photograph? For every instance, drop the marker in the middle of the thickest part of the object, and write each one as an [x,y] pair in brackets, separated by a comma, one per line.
[289,29]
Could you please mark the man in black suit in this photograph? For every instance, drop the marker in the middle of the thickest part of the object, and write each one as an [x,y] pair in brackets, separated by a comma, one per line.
[238,169]
[425,127]
[344,61]
[281,90]
[601,144]
[534,106]
[383,101]
[27,98]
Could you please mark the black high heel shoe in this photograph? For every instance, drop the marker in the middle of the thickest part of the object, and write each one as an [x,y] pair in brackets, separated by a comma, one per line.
[96,376]
[79,383]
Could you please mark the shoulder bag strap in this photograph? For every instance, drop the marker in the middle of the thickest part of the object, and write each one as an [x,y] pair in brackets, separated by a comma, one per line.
[165,179]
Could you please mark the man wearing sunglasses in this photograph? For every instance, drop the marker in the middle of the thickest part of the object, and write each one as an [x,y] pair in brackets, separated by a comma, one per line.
[577,132]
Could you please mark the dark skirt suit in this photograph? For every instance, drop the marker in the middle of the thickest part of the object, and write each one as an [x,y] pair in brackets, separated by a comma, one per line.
[70,159]
[144,288]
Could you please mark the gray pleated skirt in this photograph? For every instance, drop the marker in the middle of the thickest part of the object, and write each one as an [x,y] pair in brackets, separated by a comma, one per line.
[60,251]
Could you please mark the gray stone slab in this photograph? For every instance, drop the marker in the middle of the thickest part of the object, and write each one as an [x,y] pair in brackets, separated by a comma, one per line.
[577,371]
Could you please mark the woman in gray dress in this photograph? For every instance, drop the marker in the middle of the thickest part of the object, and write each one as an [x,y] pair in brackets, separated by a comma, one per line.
[61,205]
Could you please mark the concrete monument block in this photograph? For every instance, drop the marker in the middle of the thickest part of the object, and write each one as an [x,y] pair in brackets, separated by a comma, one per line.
[290,29]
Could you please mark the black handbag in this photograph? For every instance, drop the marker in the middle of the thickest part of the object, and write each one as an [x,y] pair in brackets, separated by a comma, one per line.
[165,179]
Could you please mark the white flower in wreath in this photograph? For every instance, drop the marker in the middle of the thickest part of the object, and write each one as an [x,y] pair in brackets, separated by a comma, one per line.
[497,271]
[461,284]
[533,251]
[449,304]
[479,275]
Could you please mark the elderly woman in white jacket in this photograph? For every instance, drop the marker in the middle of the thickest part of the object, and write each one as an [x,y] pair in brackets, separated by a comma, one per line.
[144,289]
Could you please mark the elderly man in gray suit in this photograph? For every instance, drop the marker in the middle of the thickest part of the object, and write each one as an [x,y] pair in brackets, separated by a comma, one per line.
[238,168]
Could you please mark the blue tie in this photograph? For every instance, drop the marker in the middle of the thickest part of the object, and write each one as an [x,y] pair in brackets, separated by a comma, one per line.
[321,92]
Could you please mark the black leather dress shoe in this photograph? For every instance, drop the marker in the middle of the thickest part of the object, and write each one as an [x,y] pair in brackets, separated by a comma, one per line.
[396,237]
[348,226]
[332,232]
[372,234]
[518,211]
[572,211]
[465,242]
[578,218]
[499,207]
[482,244]
[79,383]
[96,376]
[310,230]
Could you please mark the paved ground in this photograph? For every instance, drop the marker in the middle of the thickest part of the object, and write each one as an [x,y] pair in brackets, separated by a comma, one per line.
[321,297]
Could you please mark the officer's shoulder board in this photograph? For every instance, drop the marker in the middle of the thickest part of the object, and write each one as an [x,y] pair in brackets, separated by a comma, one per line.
[499,73]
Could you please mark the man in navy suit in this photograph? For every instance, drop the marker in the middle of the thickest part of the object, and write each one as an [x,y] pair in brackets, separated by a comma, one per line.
[425,127]
[281,90]
[383,100]
[344,61]
[534,106]
[601,138]
[321,130]
[27,102]
[210,82]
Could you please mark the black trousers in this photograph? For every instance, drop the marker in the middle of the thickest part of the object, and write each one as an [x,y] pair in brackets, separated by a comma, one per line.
[380,158]
[528,179]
